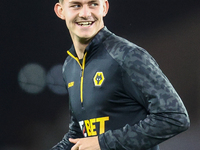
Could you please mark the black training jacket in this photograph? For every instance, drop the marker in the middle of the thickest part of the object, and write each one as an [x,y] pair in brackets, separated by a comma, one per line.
[118,93]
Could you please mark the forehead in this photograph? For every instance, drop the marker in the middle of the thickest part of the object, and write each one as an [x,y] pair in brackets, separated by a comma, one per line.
[82,1]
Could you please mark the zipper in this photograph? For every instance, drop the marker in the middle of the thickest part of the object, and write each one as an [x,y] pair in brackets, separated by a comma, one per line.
[81,74]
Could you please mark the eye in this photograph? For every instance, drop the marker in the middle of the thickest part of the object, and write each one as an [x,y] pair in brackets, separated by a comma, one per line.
[94,4]
[75,6]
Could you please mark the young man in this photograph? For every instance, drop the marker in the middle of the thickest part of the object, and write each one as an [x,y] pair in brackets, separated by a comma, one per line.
[119,97]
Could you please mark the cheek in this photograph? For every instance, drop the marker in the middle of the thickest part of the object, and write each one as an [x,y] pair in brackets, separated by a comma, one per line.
[102,13]
[99,14]
[68,24]
[69,20]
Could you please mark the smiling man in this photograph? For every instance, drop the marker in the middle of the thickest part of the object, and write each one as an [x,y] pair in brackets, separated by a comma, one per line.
[119,97]
[84,20]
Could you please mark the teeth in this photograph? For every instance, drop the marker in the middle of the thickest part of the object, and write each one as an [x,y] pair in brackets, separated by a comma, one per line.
[84,23]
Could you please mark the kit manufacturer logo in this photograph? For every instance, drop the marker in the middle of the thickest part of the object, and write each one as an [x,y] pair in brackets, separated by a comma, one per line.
[98,79]
[71,84]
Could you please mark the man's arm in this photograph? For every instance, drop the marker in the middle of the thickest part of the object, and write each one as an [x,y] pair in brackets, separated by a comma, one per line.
[144,81]
[74,132]
[74,128]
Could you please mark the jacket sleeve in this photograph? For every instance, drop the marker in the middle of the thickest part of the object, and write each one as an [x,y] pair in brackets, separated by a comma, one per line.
[167,115]
[74,132]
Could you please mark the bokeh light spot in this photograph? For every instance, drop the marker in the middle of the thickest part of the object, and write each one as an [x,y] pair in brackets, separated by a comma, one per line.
[32,78]
[55,80]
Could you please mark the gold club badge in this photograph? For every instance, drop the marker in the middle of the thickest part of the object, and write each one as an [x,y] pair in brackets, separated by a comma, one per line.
[98,79]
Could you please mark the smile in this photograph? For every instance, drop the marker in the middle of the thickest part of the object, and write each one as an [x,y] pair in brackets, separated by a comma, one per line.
[85,24]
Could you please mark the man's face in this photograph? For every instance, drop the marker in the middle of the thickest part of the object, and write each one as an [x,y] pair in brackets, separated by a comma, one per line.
[84,18]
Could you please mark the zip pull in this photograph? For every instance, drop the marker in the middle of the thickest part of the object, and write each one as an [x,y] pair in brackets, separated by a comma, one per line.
[81,73]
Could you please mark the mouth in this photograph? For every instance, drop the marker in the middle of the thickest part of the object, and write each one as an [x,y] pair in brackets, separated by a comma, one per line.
[85,24]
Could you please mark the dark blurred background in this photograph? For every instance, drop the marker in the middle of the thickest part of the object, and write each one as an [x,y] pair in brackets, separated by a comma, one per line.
[33,43]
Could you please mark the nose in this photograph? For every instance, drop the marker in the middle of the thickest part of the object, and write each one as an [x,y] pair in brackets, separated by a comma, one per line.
[85,12]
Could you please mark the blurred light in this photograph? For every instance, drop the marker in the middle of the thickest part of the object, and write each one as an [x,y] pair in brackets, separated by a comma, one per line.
[55,80]
[32,78]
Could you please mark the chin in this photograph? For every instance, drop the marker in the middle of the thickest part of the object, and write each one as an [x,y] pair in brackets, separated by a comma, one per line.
[86,36]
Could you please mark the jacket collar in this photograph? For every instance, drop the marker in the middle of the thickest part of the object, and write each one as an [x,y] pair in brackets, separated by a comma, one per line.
[96,41]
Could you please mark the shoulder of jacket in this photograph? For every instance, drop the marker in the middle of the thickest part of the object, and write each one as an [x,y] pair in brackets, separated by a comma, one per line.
[120,48]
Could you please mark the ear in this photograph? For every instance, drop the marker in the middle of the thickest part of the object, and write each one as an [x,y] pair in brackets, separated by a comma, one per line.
[105,7]
[59,11]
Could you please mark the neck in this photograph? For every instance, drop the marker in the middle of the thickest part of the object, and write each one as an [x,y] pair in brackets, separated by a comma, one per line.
[80,46]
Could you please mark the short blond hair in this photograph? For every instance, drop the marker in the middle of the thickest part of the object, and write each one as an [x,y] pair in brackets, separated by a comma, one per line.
[61,1]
